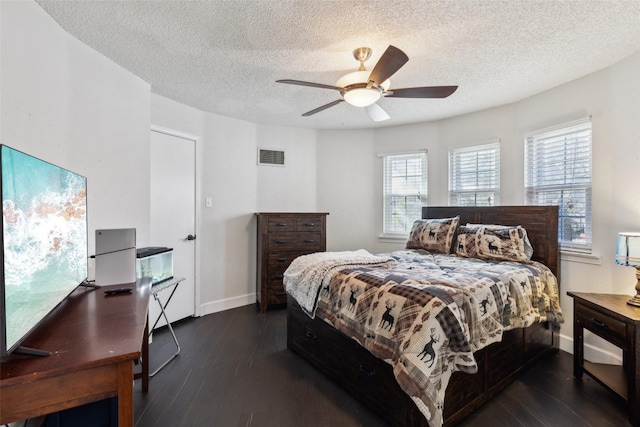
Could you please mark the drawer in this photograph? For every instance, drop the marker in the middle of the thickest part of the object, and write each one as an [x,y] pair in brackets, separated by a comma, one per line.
[278,264]
[295,241]
[276,295]
[275,278]
[356,369]
[461,391]
[281,223]
[602,325]
[279,261]
[500,357]
[310,223]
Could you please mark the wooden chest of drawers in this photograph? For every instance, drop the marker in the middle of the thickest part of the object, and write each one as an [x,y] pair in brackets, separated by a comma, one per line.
[281,238]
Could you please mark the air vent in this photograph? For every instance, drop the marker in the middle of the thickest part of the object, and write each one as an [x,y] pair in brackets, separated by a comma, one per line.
[270,157]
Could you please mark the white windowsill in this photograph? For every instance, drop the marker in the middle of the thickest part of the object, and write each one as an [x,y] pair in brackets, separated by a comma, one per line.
[585,258]
[393,238]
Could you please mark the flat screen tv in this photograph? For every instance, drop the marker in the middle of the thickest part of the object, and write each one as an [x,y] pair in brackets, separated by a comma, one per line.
[44,243]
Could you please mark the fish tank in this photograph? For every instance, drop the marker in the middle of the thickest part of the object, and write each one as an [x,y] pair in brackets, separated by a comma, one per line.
[155,262]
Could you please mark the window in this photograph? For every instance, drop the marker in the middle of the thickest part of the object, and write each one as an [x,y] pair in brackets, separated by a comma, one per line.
[474,175]
[558,172]
[404,191]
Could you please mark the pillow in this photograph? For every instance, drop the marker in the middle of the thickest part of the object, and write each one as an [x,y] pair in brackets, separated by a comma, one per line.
[466,241]
[433,235]
[493,242]
[528,249]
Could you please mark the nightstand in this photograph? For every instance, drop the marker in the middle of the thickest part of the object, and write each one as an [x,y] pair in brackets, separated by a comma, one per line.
[611,318]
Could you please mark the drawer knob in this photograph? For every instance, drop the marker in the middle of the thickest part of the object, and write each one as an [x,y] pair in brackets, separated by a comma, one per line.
[370,373]
[279,276]
[281,259]
[309,241]
[281,224]
[311,335]
[310,224]
[280,241]
[280,293]
[599,323]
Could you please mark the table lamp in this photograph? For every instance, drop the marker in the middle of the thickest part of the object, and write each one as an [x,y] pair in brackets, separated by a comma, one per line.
[628,253]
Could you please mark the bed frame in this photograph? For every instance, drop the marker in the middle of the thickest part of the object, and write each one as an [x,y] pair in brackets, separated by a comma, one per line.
[371,380]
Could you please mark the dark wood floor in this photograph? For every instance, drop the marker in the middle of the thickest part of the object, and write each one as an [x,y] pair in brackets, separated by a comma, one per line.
[235,370]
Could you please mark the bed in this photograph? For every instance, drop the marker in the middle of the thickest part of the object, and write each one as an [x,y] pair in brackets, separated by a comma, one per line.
[472,368]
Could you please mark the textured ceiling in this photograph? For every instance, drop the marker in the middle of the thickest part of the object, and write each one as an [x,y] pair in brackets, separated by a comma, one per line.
[223,57]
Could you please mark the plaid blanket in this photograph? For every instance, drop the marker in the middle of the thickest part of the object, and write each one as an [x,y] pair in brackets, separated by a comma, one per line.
[428,313]
[308,273]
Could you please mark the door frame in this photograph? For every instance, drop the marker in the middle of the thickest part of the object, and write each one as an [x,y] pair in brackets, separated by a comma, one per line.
[197,208]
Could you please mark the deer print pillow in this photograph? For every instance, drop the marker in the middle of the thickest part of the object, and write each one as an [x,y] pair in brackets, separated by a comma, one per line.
[433,235]
[492,242]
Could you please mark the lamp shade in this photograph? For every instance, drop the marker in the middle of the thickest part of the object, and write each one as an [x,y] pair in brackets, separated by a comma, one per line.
[628,249]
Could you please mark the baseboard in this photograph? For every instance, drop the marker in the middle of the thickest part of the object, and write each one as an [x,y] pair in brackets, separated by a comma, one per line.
[226,304]
[592,353]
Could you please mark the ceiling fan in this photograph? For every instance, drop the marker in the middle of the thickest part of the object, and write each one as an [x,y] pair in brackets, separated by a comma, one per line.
[363,89]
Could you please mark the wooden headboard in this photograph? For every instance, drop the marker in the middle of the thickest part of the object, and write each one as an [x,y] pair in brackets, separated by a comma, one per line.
[541,223]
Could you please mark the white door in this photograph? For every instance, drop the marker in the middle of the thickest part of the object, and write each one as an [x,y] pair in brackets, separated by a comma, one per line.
[173,218]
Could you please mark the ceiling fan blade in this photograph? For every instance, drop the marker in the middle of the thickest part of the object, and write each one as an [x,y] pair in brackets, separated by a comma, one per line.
[422,92]
[324,107]
[391,61]
[310,84]
[376,113]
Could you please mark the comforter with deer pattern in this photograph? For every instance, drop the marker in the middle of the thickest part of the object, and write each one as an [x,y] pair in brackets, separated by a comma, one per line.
[427,313]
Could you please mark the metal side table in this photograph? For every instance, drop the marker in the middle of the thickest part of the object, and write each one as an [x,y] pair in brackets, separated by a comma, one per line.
[155,289]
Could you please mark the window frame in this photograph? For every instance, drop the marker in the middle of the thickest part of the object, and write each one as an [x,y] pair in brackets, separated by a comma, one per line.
[458,167]
[388,195]
[581,182]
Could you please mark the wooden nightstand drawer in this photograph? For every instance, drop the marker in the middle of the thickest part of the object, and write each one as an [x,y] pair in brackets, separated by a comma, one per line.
[602,325]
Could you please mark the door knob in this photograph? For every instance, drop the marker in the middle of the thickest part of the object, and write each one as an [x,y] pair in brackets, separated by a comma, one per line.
[190,237]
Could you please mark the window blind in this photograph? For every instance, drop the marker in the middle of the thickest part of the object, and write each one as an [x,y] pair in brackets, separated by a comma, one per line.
[404,190]
[558,172]
[474,175]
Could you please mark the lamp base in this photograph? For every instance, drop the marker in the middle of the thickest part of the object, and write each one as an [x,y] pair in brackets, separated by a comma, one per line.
[635,301]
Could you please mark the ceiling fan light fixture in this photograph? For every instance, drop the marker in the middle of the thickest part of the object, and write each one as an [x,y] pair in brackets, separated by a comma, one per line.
[356,92]
[361,97]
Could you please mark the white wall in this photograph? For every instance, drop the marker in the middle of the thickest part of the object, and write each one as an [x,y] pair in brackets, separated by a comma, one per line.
[292,187]
[610,96]
[347,187]
[65,103]
[228,173]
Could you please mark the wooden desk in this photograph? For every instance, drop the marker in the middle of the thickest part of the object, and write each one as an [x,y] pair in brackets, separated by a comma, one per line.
[94,340]
[611,318]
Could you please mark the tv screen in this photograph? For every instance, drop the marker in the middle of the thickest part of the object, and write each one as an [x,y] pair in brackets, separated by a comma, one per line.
[44,241]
